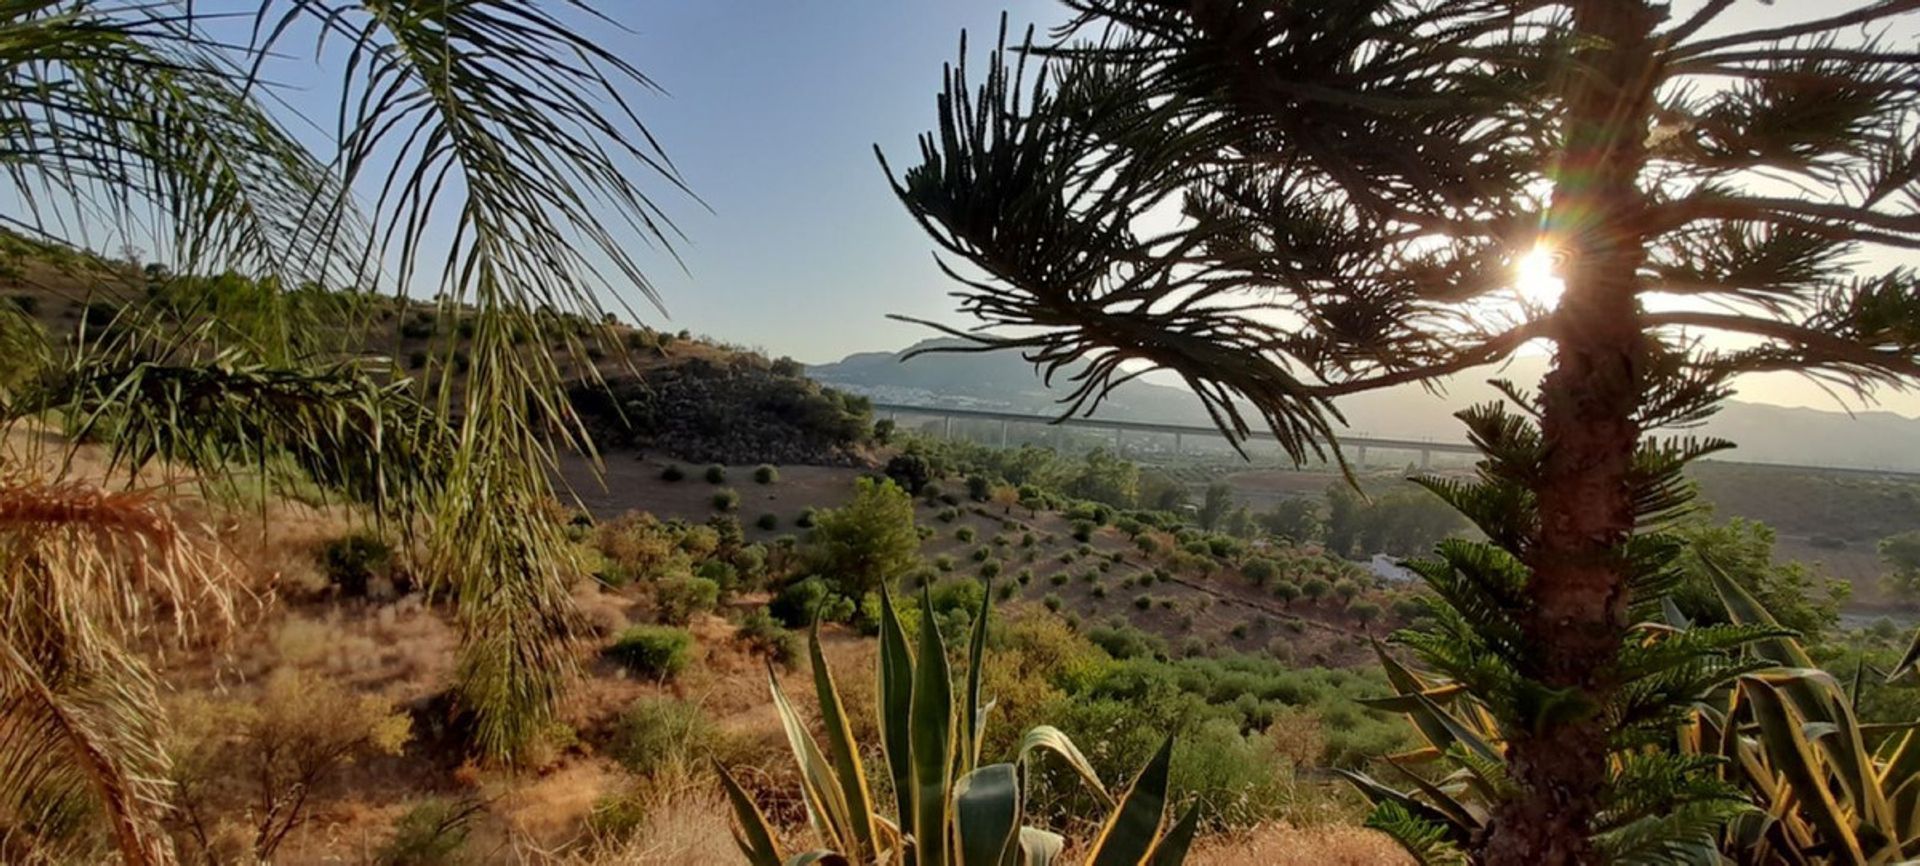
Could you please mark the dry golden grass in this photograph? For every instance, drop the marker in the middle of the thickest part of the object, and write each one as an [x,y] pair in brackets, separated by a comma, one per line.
[1283,845]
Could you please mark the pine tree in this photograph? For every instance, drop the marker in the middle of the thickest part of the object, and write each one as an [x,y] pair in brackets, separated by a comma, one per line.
[1288,202]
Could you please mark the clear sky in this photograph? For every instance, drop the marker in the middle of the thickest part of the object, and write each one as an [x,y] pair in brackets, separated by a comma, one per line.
[773,112]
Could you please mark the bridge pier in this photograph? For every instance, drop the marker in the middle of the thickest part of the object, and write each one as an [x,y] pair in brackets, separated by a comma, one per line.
[1119,445]
[1426,459]
[1360,457]
[1176,444]
[948,432]
[1004,423]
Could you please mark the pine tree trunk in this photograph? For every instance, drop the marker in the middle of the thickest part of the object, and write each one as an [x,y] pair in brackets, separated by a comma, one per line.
[1578,590]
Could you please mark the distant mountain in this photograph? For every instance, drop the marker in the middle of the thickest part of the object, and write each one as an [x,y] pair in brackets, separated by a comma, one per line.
[1003,381]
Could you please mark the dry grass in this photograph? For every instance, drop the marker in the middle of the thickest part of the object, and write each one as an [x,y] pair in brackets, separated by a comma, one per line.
[1283,845]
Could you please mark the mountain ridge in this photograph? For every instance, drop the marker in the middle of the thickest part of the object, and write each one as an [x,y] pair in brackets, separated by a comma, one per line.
[1003,381]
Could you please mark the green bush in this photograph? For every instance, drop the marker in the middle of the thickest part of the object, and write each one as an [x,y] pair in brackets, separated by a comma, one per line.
[716,474]
[673,472]
[981,554]
[1083,530]
[1053,602]
[1143,602]
[353,560]
[656,651]
[1315,588]
[1260,571]
[726,499]
[768,521]
[943,562]
[680,597]
[806,518]
[1286,591]
[1025,576]
[964,534]
[948,515]
[990,569]
[658,735]
[979,487]
[429,834]
[1058,578]
[765,474]
[765,636]
[1363,610]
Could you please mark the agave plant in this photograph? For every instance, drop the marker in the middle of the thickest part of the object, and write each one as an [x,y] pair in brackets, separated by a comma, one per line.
[951,808]
[1482,690]
[1790,738]
[1771,765]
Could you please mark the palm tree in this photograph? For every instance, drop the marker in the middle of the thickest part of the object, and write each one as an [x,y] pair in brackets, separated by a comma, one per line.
[491,122]
[1288,202]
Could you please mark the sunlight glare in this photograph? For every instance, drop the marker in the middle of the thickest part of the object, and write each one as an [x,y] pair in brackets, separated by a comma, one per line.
[1535,281]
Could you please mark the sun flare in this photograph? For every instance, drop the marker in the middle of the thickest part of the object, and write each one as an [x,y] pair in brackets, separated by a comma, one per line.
[1534,279]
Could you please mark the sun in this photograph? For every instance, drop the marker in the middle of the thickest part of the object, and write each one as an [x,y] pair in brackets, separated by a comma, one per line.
[1534,280]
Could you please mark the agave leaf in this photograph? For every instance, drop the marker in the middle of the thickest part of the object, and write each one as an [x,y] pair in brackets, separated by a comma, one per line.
[986,815]
[844,752]
[1050,738]
[1457,812]
[975,722]
[826,805]
[932,741]
[1797,760]
[754,836]
[1172,850]
[1379,795]
[1040,847]
[1130,832]
[1908,661]
[896,706]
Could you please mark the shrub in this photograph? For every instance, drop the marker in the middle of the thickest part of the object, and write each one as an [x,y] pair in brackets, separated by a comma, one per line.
[1259,571]
[656,651]
[1315,588]
[981,553]
[1364,611]
[1281,649]
[726,499]
[1347,590]
[943,562]
[1058,578]
[964,534]
[765,474]
[429,834]
[1099,591]
[805,519]
[797,603]
[1148,544]
[883,431]
[1005,591]
[1286,591]
[1143,602]
[716,474]
[990,569]
[1052,602]
[353,560]
[657,735]
[948,515]
[1026,539]
[1082,530]
[722,573]
[911,472]
[979,488]
[1409,607]
[768,521]
[680,598]
[765,636]
[1000,539]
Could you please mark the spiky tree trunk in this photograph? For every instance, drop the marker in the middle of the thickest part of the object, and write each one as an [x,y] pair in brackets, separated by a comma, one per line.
[1588,403]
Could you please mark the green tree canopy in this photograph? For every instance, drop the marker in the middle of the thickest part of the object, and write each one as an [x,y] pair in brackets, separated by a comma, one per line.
[867,543]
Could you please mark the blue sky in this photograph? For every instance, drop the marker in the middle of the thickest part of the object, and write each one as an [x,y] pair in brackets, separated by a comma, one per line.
[773,111]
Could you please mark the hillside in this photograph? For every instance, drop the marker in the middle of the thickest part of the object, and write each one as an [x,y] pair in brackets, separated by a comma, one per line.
[1003,381]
